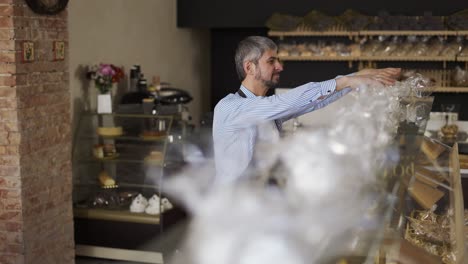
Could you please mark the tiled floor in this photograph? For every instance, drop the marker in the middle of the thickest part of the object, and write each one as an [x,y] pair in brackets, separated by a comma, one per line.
[168,245]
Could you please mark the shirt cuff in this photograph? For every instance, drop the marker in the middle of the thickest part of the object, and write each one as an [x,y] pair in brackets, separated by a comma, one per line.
[328,87]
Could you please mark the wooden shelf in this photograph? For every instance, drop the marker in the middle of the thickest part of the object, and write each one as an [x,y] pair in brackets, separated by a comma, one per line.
[406,58]
[116,215]
[318,58]
[304,32]
[365,58]
[407,33]
[459,58]
[451,90]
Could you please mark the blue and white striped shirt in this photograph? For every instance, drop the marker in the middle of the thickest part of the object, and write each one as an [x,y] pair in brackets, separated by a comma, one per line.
[237,119]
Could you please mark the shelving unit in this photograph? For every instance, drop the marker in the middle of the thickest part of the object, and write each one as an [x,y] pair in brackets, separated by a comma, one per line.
[116,215]
[442,77]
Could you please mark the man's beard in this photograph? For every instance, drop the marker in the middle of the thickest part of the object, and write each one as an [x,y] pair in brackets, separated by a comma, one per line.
[269,84]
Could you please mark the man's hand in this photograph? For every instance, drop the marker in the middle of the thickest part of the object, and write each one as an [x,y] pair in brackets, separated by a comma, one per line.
[392,73]
[369,77]
[362,80]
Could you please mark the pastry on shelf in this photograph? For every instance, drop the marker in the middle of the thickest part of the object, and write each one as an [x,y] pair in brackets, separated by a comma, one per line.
[303,50]
[460,77]
[283,22]
[435,47]
[406,46]
[126,197]
[294,51]
[464,52]
[98,151]
[355,50]
[106,180]
[452,48]
[139,204]
[155,157]
[430,22]
[153,207]
[166,204]
[353,20]
[449,131]
[283,49]
[420,49]
[458,20]
[283,53]
[315,49]
[105,151]
[319,21]
[153,134]
[329,51]
[110,131]
[342,50]
[369,47]
[463,161]
[104,199]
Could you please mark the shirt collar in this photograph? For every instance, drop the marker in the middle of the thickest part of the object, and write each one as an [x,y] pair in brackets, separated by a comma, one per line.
[247,92]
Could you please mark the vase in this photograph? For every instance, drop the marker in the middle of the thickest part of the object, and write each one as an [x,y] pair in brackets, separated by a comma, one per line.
[104,103]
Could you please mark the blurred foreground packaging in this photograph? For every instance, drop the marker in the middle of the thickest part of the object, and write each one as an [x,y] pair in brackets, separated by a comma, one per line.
[361,189]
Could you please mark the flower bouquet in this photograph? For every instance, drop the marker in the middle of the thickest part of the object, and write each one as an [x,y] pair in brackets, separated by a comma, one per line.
[104,76]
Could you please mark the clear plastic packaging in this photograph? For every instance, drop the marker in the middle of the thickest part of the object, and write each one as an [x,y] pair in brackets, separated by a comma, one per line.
[335,194]
[460,77]
[435,46]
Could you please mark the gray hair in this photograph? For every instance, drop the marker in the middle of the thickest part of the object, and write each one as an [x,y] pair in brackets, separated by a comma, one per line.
[251,49]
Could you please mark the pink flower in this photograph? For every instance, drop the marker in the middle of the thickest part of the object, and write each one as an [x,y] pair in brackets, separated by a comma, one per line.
[106,69]
[104,76]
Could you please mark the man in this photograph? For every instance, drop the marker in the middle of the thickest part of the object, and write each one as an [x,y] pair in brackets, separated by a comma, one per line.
[240,118]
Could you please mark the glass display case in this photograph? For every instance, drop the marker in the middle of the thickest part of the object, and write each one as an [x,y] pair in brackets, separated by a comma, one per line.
[425,223]
[428,221]
[119,163]
[422,218]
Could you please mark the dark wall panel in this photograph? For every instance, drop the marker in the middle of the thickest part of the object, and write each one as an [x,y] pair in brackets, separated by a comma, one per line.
[253,13]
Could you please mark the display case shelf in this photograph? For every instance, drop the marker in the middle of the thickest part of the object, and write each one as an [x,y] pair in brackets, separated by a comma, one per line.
[123,185]
[117,160]
[129,138]
[116,215]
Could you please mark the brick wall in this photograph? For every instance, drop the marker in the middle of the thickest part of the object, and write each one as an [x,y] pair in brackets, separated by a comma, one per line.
[35,140]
